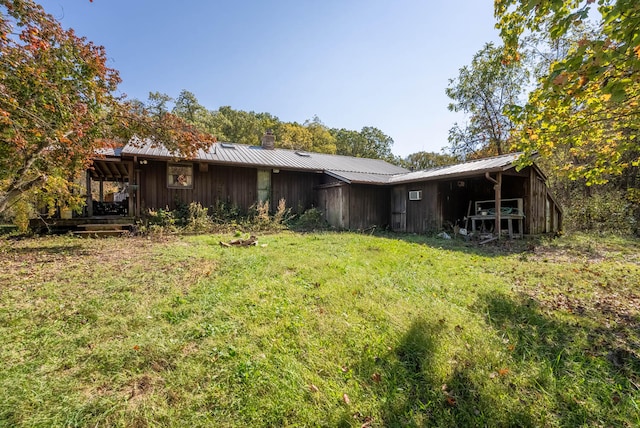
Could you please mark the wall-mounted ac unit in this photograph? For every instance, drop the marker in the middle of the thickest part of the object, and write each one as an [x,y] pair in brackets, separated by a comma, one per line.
[415,195]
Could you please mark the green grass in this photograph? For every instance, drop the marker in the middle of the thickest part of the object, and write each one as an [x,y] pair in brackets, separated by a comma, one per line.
[319,330]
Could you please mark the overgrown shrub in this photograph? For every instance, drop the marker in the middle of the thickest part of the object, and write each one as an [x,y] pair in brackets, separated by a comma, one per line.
[282,214]
[198,219]
[18,214]
[260,219]
[224,212]
[259,215]
[601,212]
[311,219]
[159,221]
[224,218]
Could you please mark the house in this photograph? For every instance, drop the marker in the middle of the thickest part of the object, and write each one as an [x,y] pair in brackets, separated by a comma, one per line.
[353,193]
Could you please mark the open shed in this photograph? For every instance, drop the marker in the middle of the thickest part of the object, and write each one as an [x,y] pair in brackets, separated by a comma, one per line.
[485,195]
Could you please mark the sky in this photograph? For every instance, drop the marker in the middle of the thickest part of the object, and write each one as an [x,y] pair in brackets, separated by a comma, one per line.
[352,63]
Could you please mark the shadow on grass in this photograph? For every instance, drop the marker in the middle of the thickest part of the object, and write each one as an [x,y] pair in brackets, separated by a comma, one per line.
[60,250]
[539,335]
[587,366]
[500,248]
[413,393]
[557,372]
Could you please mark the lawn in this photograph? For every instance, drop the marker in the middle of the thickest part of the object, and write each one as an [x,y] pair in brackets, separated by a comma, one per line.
[326,329]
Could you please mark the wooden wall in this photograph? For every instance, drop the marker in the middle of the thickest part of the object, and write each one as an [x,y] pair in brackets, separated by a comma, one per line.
[296,188]
[368,206]
[536,208]
[333,200]
[354,207]
[418,216]
[233,185]
[426,214]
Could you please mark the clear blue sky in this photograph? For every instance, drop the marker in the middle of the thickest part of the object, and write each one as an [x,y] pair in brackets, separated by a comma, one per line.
[353,63]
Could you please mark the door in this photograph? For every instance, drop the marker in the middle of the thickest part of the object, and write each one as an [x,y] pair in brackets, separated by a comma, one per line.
[399,209]
[264,185]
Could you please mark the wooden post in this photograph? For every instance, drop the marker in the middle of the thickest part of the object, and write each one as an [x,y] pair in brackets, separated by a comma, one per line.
[137,213]
[101,190]
[130,173]
[497,188]
[498,194]
[89,196]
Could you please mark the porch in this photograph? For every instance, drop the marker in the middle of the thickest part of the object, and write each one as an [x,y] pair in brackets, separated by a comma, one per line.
[55,225]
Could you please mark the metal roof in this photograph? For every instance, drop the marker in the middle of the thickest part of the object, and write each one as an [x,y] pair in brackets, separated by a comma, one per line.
[239,154]
[361,177]
[109,151]
[345,168]
[480,166]
[475,167]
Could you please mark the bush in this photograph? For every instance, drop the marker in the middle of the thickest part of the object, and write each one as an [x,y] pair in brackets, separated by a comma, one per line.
[195,218]
[223,212]
[607,211]
[198,219]
[260,219]
[159,222]
[311,219]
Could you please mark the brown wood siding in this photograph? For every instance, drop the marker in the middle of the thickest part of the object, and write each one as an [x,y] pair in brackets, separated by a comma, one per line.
[368,206]
[399,208]
[296,188]
[333,202]
[424,215]
[535,221]
[218,184]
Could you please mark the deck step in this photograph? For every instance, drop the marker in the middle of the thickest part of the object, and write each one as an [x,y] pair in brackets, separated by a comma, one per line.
[100,233]
[105,226]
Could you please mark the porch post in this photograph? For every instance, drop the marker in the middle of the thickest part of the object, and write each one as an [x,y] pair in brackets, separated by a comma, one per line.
[497,188]
[89,197]
[131,180]
[137,213]
[101,190]
[498,194]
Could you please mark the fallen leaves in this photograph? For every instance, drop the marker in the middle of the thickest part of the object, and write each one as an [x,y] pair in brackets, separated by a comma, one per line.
[501,372]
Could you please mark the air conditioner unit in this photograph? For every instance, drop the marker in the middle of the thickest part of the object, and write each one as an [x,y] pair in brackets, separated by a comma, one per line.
[415,195]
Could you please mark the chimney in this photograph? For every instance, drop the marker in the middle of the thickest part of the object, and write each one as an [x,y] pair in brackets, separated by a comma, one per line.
[268,140]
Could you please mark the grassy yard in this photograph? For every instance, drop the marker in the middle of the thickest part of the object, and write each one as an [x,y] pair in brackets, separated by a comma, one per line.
[319,330]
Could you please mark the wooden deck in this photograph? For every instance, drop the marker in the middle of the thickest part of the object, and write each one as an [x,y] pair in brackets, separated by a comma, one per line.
[78,224]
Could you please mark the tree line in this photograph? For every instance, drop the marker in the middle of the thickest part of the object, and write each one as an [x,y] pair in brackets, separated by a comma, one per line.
[247,127]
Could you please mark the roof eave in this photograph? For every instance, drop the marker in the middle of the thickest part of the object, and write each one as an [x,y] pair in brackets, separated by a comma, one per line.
[339,177]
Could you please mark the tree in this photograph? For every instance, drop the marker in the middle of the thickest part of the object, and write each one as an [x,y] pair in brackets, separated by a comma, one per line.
[294,136]
[483,90]
[57,105]
[239,126]
[188,107]
[157,103]
[370,142]
[584,110]
[321,139]
[191,111]
[426,160]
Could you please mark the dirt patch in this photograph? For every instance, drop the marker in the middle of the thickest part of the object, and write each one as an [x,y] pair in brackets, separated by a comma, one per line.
[142,386]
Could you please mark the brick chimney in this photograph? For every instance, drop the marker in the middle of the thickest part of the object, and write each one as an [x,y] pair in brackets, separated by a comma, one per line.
[268,140]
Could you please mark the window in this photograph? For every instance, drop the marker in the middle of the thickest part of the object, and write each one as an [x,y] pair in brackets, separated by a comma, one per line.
[179,176]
